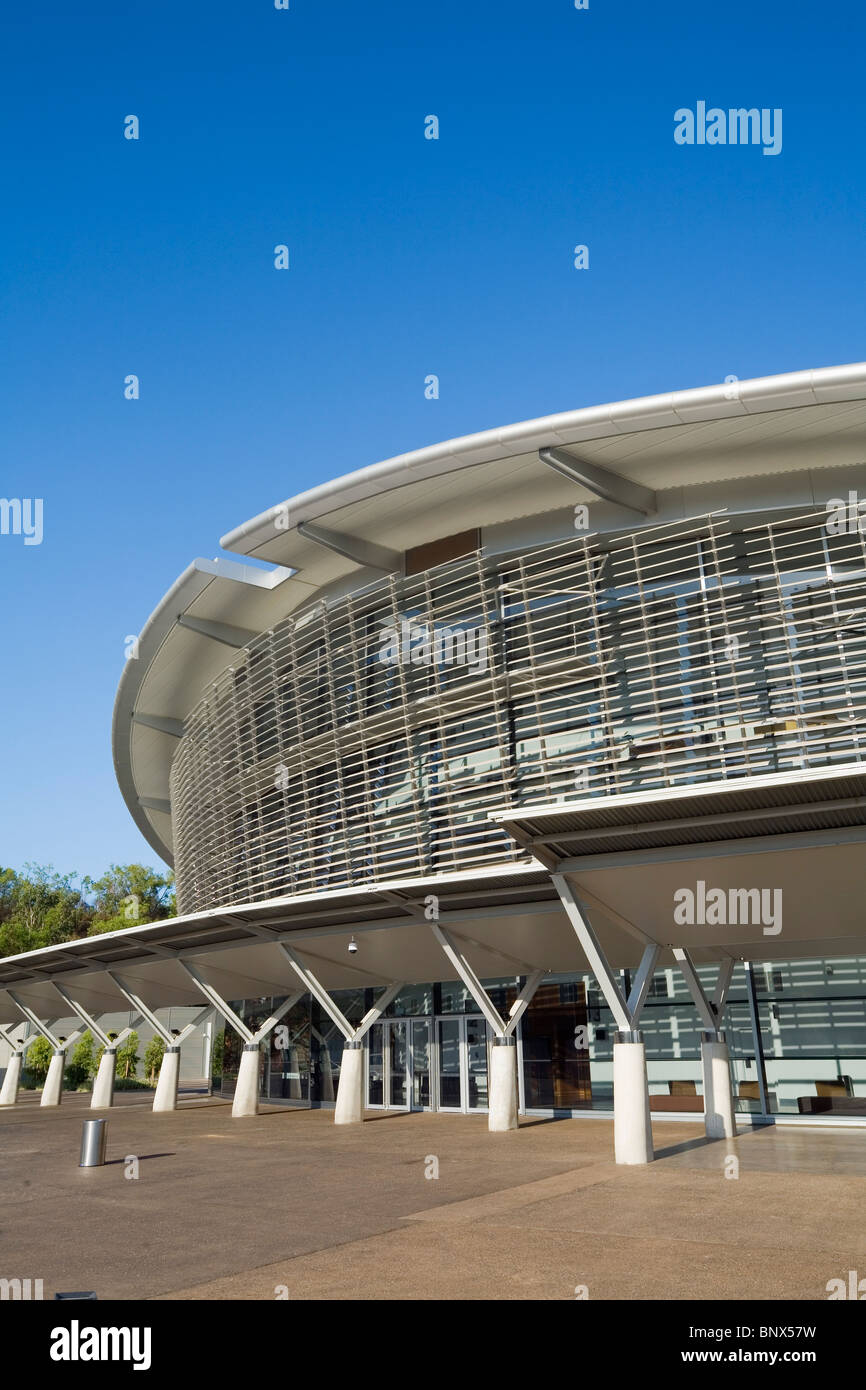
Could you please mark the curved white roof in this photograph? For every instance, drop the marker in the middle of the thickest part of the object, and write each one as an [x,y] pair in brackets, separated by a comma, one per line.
[746,445]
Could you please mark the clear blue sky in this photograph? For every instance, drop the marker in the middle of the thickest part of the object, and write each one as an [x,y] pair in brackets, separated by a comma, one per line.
[408,257]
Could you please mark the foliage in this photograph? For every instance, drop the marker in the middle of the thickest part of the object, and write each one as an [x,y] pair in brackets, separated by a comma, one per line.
[127,1057]
[153,1055]
[39,1056]
[81,1063]
[41,907]
[128,895]
[218,1054]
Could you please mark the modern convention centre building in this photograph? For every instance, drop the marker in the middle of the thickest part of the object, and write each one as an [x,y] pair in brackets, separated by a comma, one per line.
[521,773]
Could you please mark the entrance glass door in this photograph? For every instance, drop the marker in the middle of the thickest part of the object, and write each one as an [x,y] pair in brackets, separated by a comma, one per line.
[396,1033]
[398,1064]
[448,1031]
[476,1064]
[462,1063]
[422,1035]
[376,1066]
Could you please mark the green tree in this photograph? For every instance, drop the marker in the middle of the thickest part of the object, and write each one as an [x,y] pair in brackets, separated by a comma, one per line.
[217,1055]
[81,1063]
[128,895]
[153,1055]
[15,939]
[39,1056]
[127,1057]
[39,907]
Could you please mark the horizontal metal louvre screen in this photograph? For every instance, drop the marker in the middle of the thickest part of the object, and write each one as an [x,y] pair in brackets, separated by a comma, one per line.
[367,739]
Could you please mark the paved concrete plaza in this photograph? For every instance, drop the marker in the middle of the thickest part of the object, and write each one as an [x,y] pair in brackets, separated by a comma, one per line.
[233,1209]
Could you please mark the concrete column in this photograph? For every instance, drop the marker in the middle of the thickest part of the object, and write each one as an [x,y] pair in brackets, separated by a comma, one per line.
[718,1096]
[632,1131]
[166,1086]
[103,1087]
[246,1101]
[502,1108]
[9,1089]
[52,1091]
[349,1109]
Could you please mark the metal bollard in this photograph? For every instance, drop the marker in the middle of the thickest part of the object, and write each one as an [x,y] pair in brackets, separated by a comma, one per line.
[92,1144]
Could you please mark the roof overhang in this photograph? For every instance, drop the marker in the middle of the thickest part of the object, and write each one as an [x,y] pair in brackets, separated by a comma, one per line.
[626,856]
[508,918]
[707,435]
[802,835]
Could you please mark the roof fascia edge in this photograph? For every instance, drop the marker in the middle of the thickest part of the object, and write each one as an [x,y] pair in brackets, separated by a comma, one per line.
[186,589]
[760,395]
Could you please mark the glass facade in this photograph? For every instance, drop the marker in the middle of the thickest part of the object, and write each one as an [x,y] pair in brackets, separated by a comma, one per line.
[812,1031]
[300,1059]
[430,1050]
[556,1071]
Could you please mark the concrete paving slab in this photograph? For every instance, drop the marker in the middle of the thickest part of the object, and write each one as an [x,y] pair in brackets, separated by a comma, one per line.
[226,1208]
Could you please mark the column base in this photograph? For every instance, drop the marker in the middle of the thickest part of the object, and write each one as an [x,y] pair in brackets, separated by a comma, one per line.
[633,1139]
[103,1087]
[166,1086]
[502,1100]
[52,1091]
[719,1119]
[11,1081]
[246,1098]
[349,1109]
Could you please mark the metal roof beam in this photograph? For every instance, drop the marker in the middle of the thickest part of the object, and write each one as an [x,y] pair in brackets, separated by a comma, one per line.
[592,949]
[318,992]
[523,1000]
[59,1044]
[174,727]
[141,1008]
[377,1010]
[643,980]
[362,552]
[723,984]
[6,1036]
[599,481]
[220,632]
[83,1015]
[470,979]
[707,1014]
[217,1002]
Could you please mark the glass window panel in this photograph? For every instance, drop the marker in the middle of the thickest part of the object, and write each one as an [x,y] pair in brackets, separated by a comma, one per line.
[376,1065]
[448,1030]
[476,1061]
